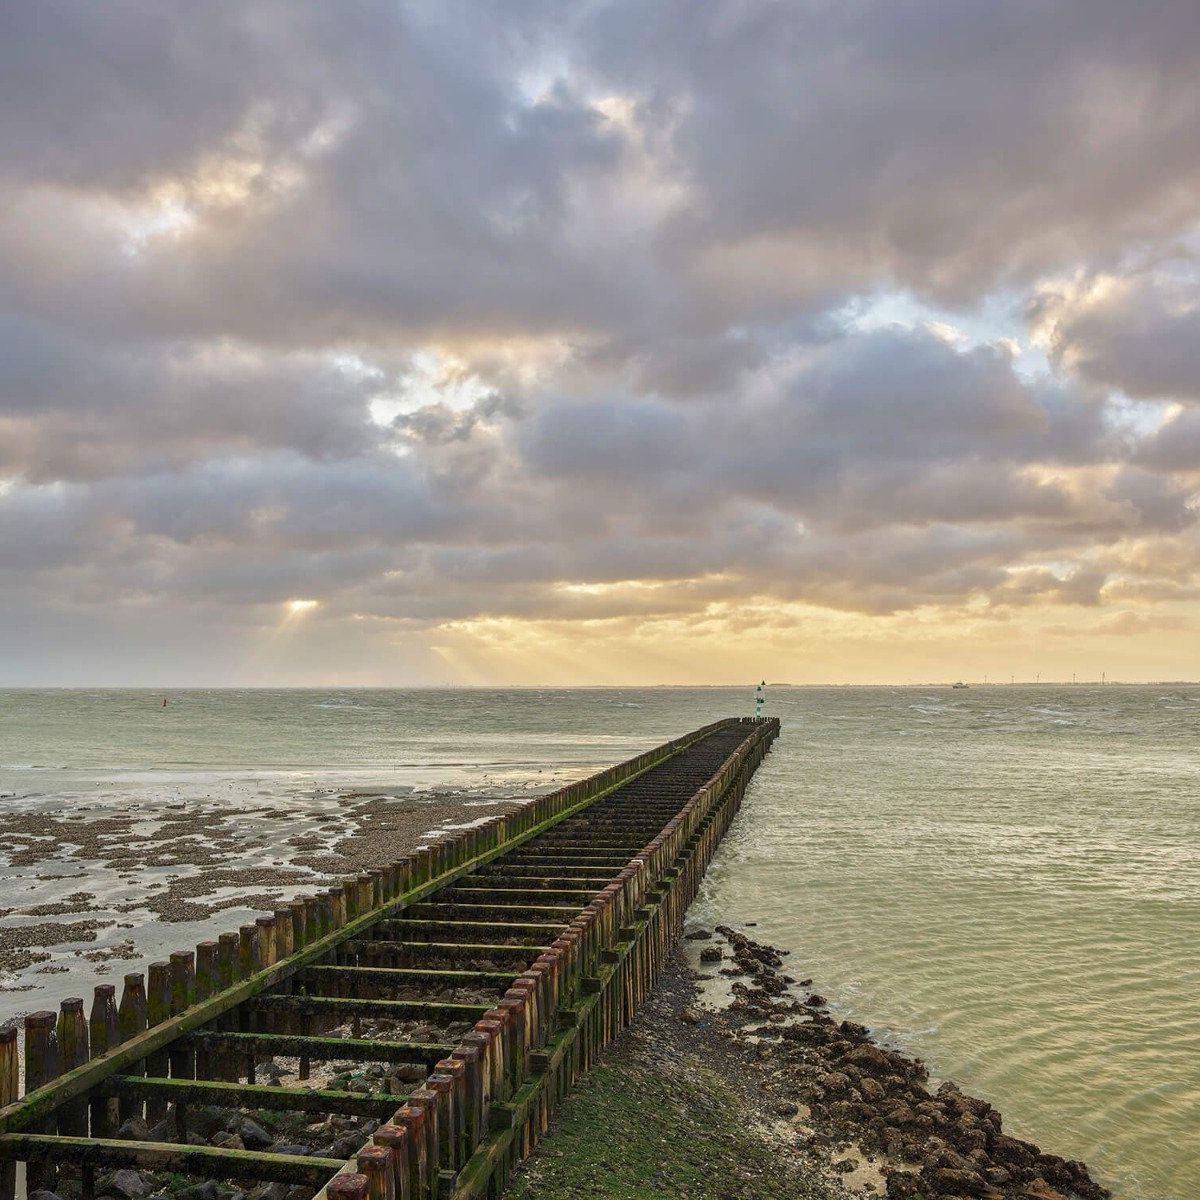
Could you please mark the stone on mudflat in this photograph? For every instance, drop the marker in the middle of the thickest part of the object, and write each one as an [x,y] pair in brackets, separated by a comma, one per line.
[253,1135]
[126,1184]
[947,1181]
[134,1130]
[199,1191]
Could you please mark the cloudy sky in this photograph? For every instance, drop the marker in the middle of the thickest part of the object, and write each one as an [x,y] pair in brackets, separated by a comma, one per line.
[532,342]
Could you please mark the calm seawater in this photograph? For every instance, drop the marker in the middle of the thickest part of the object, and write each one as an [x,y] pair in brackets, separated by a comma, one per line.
[1004,880]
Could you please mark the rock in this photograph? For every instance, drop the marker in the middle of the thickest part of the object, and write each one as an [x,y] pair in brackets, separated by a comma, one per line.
[42,1194]
[1012,1150]
[124,1183]
[815,1001]
[293,1148]
[1039,1189]
[359,1085]
[946,1181]
[199,1191]
[869,1059]
[164,1131]
[786,1108]
[711,954]
[871,1089]
[253,1135]
[697,935]
[834,1082]
[224,1140]
[691,1016]
[134,1130]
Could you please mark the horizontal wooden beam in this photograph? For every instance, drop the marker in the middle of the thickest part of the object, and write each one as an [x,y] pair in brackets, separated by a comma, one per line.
[428,1010]
[166,1156]
[252,1095]
[324,1049]
[409,975]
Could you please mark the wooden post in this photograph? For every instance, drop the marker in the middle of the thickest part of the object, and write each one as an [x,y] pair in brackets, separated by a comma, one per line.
[228,973]
[208,982]
[158,1009]
[266,941]
[132,1020]
[284,934]
[73,1051]
[10,1074]
[395,1139]
[375,1162]
[183,986]
[349,1185]
[296,908]
[102,1030]
[412,1119]
[248,958]
[41,1066]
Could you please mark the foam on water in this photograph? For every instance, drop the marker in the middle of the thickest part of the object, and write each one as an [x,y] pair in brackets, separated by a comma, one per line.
[1003,880]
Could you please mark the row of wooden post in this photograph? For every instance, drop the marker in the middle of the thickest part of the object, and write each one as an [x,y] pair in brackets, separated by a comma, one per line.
[469,1099]
[56,1043]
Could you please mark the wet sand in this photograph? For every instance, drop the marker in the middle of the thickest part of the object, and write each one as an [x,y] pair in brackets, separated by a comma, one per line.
[88,893]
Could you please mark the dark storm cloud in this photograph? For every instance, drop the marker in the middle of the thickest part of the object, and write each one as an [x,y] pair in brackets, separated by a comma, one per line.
[234,236]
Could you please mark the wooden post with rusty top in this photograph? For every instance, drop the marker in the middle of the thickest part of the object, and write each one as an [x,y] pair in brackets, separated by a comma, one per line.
[375,1162]
[349,1185]
[394,1138]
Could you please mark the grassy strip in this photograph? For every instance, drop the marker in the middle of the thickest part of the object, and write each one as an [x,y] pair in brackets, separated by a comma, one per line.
[664,1131]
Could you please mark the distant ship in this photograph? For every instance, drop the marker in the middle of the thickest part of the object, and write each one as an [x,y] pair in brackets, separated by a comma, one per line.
[960,684]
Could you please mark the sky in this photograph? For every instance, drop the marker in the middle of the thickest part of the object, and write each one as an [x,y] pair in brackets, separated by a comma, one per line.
[367,343]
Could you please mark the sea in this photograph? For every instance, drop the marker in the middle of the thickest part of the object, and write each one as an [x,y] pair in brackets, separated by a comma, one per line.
[1004,880]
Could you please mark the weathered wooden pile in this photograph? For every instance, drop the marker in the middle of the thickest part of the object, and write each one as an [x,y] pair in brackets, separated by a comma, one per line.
[525,943]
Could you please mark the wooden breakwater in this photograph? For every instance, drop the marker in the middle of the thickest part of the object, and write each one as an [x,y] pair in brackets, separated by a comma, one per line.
[524,944]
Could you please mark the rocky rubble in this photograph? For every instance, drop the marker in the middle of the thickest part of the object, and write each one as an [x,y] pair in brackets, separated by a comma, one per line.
[941,1143]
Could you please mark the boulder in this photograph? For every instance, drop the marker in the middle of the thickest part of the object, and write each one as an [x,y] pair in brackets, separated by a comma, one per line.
[253,1135]
[947,1181]
[125,1184]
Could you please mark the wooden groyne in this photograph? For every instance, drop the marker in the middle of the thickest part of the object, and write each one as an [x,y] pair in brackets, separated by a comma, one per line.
[490,965]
